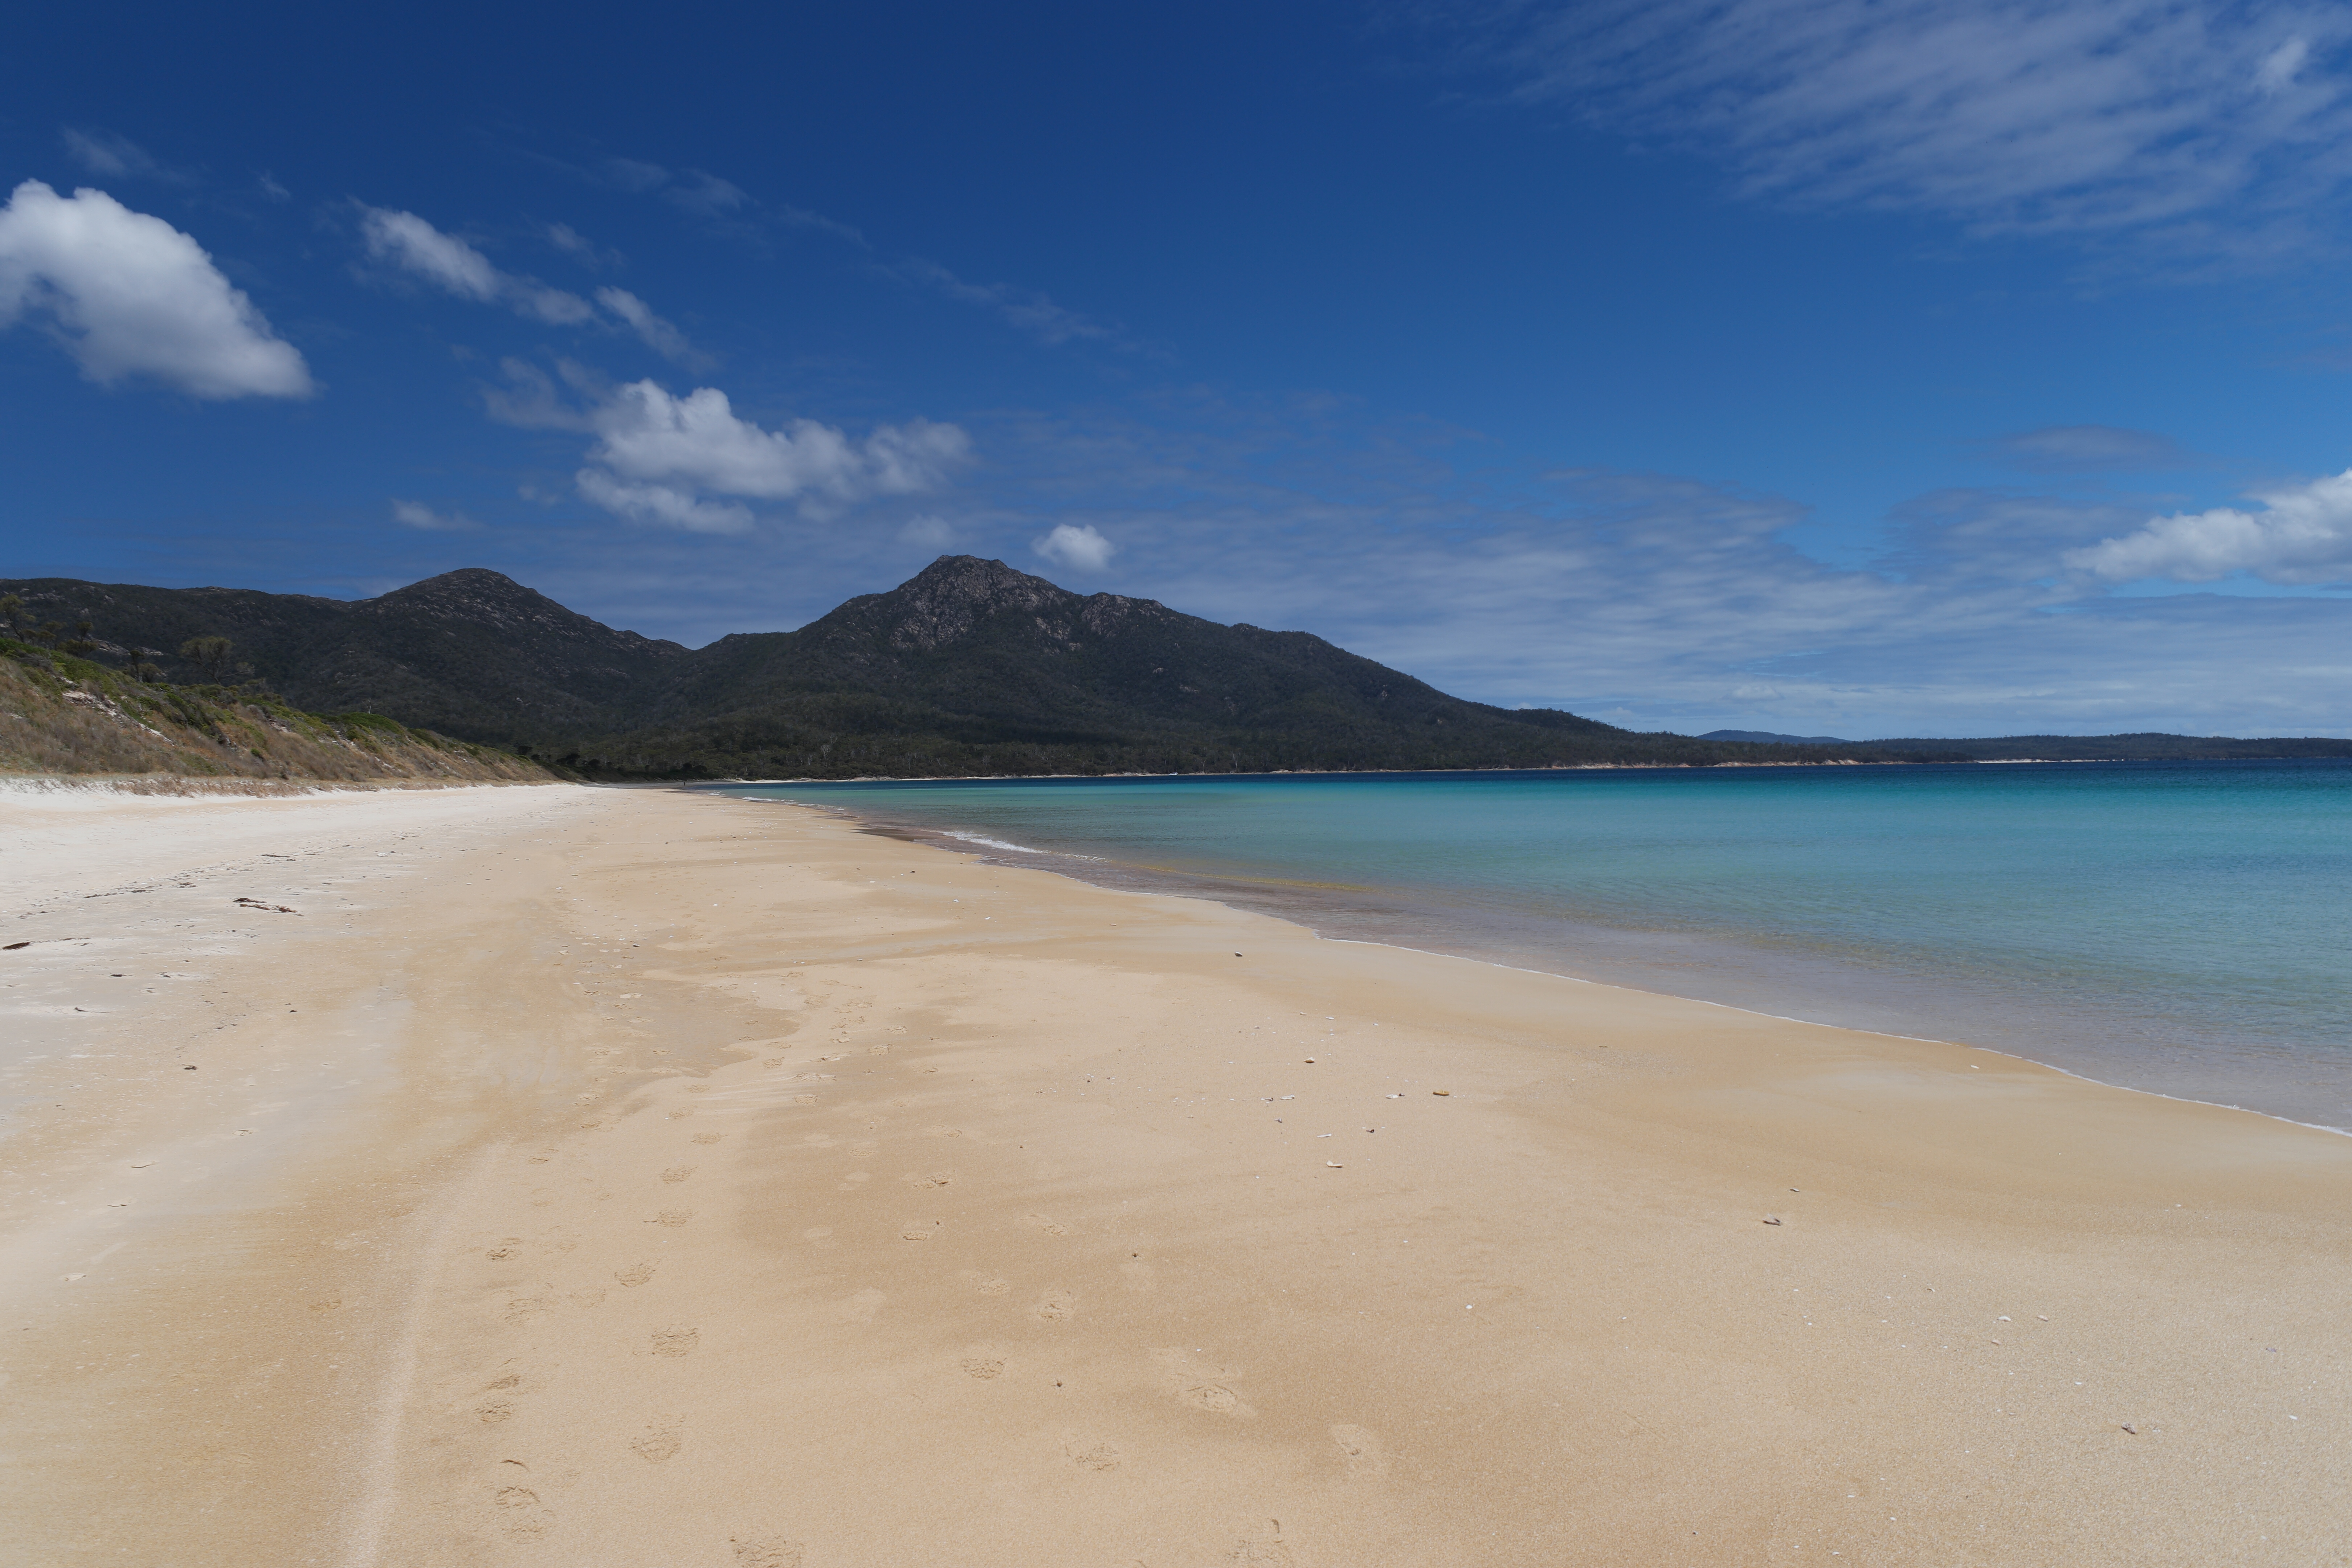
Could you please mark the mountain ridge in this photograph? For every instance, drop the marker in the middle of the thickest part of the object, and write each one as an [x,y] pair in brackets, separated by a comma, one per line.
[970,668]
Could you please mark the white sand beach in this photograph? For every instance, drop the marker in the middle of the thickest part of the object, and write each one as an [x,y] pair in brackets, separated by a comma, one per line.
[570,1176]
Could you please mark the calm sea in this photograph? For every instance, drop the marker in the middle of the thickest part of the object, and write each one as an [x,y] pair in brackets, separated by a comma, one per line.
[2181,928]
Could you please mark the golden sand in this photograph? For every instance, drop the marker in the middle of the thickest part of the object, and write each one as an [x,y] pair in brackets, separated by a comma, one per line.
[593,1177]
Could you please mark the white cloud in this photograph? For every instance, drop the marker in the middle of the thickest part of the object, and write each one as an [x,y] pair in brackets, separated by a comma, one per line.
[2019,114]
[112,156]
[928,531]
[2084,448]
[413,244]
[1081,547]
[416,514]
[2302,535]
[661,336]
[672,506]
[408,242]
[1023,308]
[131,295]
[656,454]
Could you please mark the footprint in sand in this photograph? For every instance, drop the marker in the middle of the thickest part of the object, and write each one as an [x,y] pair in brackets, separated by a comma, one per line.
[677,1174]
[919,1229]
[985,1368]
[1041,1222]
[936,1179]
[854,1180]
[512,1247]
[662,1437]
[1057,1306]
[326,1303]
[521,1515]
[1361,1450]
[765,1552]
[676,1341]
[1270,1553]
[1089,1454]
[493,1411]
[635,1274]
[671,1216]
[708,1137]
[987,1284]
[524,1310]
[1202,1386]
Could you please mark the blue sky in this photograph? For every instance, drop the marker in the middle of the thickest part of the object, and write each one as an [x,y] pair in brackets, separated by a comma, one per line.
[1842,367]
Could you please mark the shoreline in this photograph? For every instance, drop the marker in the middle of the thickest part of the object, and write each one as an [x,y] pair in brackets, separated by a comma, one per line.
[1331,925]
[756,1189]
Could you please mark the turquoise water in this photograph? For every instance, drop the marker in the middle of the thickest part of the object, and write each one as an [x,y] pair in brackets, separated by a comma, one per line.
[2184,928]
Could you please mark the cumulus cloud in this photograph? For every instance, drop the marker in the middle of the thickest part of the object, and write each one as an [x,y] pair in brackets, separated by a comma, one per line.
[695,443]
[130,295]
[2084,449]
[2300,535]
[670,505]
[416,514]
[2099,115]
[690,462]
[1081,547]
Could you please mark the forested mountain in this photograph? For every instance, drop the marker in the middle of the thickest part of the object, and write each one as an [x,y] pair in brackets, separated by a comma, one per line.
[970,668]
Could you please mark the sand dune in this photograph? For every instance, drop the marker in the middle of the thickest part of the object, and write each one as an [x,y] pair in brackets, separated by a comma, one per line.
[621,1177]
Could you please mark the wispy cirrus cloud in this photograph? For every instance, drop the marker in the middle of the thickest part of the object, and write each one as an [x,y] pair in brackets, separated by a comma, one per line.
[2220,125]
[416,514]
[1025,309]
[2089,449]
[706,195]
[411,246]
[113,157]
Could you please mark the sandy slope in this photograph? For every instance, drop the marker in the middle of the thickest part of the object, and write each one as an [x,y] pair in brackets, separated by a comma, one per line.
[635,1178]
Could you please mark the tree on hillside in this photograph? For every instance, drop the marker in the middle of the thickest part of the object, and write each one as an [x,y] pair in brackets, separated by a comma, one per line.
[211,655]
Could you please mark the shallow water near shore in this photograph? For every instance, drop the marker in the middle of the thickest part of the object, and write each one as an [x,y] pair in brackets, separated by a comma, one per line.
[2180,927]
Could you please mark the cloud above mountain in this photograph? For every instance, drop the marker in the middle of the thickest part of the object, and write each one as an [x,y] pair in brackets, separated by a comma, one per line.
[129,295]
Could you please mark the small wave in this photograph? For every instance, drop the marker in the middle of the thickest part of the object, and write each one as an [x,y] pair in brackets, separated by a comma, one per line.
[991,843]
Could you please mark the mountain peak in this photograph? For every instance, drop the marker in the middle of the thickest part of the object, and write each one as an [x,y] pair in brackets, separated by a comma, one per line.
[942,602]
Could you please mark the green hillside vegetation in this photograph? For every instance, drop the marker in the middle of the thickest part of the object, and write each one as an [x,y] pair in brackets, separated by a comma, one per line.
[970,668]
[60,713]
[2148,747]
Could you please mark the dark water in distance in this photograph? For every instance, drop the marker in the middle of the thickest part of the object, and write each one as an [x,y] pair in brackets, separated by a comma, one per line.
[2181,927]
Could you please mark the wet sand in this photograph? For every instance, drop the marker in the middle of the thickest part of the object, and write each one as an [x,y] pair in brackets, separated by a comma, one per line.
[630,1177]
